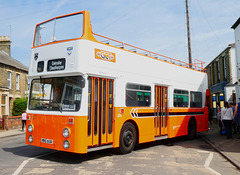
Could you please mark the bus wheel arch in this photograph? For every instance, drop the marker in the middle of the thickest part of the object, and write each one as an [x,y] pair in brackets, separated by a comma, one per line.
[192,128]
[128,137]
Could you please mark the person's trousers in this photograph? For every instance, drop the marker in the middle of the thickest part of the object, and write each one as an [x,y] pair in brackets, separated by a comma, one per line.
[23,123]
[228,126]
[220,126]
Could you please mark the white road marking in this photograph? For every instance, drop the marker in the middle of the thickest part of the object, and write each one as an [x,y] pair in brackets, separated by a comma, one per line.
[25,162]
[207,164]
[202,151]
[19,169]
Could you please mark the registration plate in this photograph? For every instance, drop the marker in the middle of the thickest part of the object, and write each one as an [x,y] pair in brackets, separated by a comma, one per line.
[49,141]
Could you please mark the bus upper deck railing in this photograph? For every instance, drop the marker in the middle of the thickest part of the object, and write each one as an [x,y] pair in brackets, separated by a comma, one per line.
[197,65]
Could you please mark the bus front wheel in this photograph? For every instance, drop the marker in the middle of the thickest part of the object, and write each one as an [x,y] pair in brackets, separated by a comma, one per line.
[128,137]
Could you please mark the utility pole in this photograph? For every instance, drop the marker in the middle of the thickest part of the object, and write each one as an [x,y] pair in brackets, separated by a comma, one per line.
[189,38]
[10,31]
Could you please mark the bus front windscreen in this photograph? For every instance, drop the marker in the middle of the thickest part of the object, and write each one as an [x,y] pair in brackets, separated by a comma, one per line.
[56,94]
[59,29]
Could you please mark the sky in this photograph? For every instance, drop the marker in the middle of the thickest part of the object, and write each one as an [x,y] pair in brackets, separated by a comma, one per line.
[155,25]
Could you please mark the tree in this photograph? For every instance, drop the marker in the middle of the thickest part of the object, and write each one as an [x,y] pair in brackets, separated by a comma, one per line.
[19,106]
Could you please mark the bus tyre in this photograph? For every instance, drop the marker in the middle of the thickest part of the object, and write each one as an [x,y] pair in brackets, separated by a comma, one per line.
[192,129]
[128,137]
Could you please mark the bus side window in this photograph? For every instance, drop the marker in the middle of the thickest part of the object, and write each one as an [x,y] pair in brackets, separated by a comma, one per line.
[180,98]
[195,99]
[138,95]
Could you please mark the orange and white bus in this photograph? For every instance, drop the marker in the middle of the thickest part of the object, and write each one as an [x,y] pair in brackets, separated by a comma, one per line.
[90,92]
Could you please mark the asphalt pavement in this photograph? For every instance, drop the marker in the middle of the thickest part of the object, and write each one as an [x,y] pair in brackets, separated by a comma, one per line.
[228,148]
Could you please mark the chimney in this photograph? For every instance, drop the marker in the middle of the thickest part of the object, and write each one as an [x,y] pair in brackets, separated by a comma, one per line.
[5,44]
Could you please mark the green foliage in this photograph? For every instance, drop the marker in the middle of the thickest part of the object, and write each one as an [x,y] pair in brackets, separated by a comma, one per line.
[19,106]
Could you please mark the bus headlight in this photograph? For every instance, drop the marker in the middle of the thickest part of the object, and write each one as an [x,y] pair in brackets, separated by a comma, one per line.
[30,139]
[30,128]
[66,144]
[66,132]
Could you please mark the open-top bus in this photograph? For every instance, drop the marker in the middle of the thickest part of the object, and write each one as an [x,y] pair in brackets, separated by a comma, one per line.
[90,92]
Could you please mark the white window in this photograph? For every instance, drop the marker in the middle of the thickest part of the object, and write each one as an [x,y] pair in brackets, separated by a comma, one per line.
[17,81]
[9,79]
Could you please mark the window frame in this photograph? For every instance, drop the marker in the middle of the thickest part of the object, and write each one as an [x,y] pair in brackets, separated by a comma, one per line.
[53,104]
[17,81]
[218,71]
[4,105]
[195,92]
[54,25]
[138,88]
[182,94]
[9,80]
[224,68]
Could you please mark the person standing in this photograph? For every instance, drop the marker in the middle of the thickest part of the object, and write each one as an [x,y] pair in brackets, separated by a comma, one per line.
[236,116]
[24,117]
[233,105]
[227,118]
[219,119]
[209,115]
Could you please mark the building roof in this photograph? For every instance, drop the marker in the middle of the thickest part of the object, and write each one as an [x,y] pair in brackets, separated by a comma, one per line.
[229,47]
[234,26]
[5,59]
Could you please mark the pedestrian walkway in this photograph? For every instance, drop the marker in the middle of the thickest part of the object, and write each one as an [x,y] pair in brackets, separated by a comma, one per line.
[11,132]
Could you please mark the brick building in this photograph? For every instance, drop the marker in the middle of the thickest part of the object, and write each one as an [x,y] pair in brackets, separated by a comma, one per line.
[222,77]
[13,78]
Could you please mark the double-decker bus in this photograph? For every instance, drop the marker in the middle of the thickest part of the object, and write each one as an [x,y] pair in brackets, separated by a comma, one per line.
[90,92]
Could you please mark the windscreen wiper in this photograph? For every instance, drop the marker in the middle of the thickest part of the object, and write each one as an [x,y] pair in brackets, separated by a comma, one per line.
[58,105]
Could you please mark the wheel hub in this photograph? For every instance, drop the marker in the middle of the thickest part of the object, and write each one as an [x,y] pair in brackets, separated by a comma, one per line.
[128,137]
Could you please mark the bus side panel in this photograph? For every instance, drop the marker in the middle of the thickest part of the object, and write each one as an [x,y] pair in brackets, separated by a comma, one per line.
[145,125]
[178,124]
[146,129]
[202,121]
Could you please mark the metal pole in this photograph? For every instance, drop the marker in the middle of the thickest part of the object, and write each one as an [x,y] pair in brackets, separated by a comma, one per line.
[189,38]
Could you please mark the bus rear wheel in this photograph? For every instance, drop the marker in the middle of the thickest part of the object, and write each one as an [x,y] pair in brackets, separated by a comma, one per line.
[192,128]
[128,137]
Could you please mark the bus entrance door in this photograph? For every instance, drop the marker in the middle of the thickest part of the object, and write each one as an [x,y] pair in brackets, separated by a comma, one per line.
[160,111]
[100,111]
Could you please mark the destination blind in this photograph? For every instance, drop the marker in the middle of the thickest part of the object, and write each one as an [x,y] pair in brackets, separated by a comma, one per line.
[56,64]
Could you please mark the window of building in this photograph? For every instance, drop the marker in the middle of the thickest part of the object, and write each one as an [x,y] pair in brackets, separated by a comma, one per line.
[196,99]
[210,76]
[224,68]
[218,71]
[138,95]
[17,81]
[4,105]
[180,98]
[9,74]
